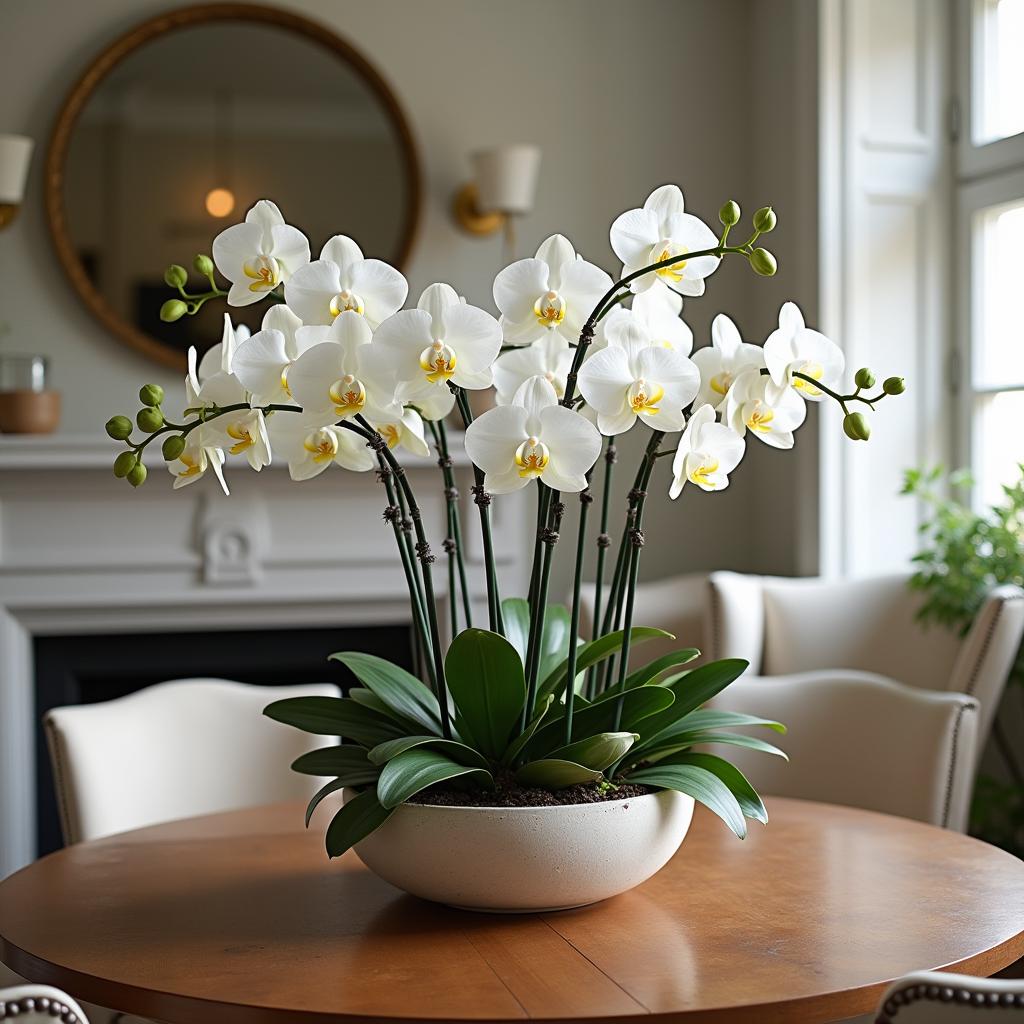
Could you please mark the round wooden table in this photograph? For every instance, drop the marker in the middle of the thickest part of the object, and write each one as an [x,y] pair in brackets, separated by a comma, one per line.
[240,917]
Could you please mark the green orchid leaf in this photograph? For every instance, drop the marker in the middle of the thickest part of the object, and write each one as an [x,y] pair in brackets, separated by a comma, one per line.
[550,773]
[405,775]
[459,752]
[684,741]
[595,651]
[711,718]
[401,691]
[333,761]
[485,678]
[362,815]
[597,752]
[335,716]
[332,787]
[554,645]
[515,615]
[747,797]
[702,785]
[516,747]
[653,669]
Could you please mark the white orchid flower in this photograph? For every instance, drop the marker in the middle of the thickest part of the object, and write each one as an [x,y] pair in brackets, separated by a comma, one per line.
[533,438]
[309,448]
[707,453]
[795,348]
[344,375]
[658,231]
[721,362]
[343,281]
[635,378]
[262,363]
[550,357]
[555,292]
[771,413]
[218,358]
[194,461]
[659,309]
[431,401]
[260,254]
[405,431]
[443,339]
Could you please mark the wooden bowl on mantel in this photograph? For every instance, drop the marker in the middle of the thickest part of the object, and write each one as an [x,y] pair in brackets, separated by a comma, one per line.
[29,412]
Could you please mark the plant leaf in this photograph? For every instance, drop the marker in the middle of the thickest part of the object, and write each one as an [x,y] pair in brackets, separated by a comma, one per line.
[699,783]
[333,761]
[653,669]
[383,752]
[747,797]
[332,787]
[551,773]
[362,815]
[485,677]
[554,644]
[334,716]
[685,740]
[405,775]
[399,690]
[517,745]
[597,752]
[515,614]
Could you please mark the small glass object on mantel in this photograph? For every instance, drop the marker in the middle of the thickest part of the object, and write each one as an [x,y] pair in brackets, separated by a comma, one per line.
[27,404]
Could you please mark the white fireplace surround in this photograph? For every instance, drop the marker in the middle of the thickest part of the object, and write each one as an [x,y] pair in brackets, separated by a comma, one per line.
[81,553]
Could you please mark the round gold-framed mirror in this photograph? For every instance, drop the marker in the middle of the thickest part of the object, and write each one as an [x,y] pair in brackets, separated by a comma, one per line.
[185,121]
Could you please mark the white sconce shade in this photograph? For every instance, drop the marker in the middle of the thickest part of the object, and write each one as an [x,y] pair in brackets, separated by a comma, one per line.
[506,178]
[15,154]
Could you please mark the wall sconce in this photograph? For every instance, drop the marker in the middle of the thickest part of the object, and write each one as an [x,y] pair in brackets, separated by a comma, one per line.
[15,153]
[503,186]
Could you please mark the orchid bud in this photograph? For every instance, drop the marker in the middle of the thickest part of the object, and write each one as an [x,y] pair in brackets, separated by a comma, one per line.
[151,394]
[172,309]
[119,428]
[124,464]
[138,474]
[864,378]
[729,214]
[150,420]
[173,446]
[765,220]
[763,262]
[203,265]
[856,426]
[176,276]
[894,385]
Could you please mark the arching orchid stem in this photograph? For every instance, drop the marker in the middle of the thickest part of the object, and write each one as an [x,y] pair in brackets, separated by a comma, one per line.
[586,500]
[856,396]
[603,543]
[381,449]
[210,414]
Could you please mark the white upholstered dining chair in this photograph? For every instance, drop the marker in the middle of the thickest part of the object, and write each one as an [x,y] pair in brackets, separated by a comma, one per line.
[39,1004]
[934,997]
[178,749]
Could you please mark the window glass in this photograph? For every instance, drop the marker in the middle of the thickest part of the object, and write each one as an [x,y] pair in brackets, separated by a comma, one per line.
[999,76]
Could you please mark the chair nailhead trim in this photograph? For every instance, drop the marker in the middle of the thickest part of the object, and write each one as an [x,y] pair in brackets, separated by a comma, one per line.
[947,994]
[12,1008]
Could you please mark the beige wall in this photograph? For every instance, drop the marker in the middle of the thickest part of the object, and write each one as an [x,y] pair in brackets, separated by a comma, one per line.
[622,97]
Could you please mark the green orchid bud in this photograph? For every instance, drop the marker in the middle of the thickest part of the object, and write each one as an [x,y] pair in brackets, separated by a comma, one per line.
[856,426]
[894,385]
[203,265]
[137,477]
[124,464]
[864,378]
[151,394]
[763,262]
[765,220]
[150,420]
[729,214]
[119,428]
[173,446]
[172,309]
[176,276]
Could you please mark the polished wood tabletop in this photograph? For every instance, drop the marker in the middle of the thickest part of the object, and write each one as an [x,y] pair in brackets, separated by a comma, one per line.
[240,917]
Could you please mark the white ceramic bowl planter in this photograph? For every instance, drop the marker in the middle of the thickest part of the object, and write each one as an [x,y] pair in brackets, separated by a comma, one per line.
[527,859]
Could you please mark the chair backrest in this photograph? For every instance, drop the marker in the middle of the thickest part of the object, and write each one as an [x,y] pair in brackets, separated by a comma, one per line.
[174,750]
[36,1004]
[934,997]
[863,741]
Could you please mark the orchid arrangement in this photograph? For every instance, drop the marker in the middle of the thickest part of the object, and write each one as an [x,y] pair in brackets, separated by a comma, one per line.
[341,374]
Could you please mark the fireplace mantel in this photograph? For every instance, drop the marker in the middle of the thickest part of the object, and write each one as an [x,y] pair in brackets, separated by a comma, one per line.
[80,552]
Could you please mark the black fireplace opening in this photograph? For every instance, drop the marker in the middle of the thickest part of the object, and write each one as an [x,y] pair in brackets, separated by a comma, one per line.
[93,668]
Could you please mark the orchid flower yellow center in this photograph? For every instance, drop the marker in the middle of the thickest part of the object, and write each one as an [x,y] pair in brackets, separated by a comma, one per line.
[322,445]
[815,370]
[264,272]
[284,380]
[348,396]
[667,250]
[721,382]
[701,473]
[391,434]
[549,309]
[347,302]
[241,434]
[532,457]
[758,416]
[193,466]
[438,362]
[644,397]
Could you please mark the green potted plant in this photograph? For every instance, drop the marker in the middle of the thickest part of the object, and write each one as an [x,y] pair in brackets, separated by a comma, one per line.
[531,768]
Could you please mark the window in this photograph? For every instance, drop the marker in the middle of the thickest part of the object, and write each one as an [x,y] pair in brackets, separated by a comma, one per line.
[990,279]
